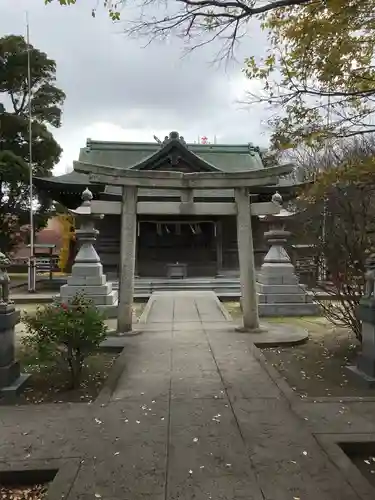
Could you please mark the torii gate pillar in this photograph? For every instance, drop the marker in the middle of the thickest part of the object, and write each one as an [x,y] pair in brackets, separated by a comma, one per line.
[249,300]
[127,258]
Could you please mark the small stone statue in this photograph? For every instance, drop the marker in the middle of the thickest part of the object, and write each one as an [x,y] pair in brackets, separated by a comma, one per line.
[4,279]
[370,277]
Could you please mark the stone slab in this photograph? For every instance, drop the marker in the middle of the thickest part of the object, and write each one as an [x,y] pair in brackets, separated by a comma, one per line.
[275,335]
[114,343]
[366,362]
[280,289]
[9,373]
[9,393]
[361,377]
[98,300]
[366,311]
[274,279]
[110,311]
[7,348]
[277,269]
[87,280]
[9,319]
[288,309]
[83,269]
[283,298]
[90,290]
[368,341]
[6,308]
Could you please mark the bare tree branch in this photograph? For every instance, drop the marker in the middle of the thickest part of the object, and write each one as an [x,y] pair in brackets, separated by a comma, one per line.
[212,19]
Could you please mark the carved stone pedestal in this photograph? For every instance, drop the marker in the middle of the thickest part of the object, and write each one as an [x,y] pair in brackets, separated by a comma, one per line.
[11,380]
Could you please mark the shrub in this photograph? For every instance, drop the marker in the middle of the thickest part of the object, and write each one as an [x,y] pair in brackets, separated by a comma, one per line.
[66,333]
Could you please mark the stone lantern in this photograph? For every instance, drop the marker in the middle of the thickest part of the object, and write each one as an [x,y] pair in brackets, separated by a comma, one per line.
[87,271]
[279,290]
[11,379]
[364,370]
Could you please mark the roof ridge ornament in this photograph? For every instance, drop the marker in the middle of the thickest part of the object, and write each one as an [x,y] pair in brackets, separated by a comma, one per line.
[87,197]
[173,136]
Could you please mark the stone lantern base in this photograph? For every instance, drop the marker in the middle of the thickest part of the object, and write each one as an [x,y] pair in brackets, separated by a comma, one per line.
[12,381]
[279,290]
[364,371]
[90,280]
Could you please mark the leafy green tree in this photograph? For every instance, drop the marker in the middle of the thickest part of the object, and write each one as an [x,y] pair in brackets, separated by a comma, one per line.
[46,101]
[319,72]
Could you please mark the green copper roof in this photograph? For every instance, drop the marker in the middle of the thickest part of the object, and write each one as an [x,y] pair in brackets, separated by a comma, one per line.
[154,155]
[70,178]
[225,157]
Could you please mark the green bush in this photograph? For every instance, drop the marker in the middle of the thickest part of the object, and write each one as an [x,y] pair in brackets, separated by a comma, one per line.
[66,333]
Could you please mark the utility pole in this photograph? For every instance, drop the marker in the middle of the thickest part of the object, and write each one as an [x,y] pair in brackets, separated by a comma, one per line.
[32,260]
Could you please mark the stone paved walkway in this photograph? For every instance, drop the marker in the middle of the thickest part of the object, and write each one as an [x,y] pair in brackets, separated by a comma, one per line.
[193,415]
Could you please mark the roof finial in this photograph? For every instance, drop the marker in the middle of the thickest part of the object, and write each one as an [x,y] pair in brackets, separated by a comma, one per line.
[87,196]
[277,198]
[173,136]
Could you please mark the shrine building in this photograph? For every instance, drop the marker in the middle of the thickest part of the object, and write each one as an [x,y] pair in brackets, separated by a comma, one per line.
[202,246]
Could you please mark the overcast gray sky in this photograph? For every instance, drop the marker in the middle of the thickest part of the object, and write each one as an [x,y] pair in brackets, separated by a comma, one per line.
[118,90]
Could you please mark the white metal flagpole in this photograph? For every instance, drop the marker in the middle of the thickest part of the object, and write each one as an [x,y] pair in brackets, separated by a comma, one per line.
[32,266]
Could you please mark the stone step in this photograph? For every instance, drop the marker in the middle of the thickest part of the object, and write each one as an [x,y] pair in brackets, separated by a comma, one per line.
[176,286]
[226,288]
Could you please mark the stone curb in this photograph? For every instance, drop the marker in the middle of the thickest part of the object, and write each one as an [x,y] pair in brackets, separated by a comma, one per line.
[223,309]
[110,384]
[38,470]
[146,311]
[275,376]
[329,444]
[293,396]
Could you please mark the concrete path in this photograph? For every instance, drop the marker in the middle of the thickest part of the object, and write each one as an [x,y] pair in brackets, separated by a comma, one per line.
[192,415]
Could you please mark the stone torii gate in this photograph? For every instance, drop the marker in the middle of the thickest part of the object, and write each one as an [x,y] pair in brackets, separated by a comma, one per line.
[132,180]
